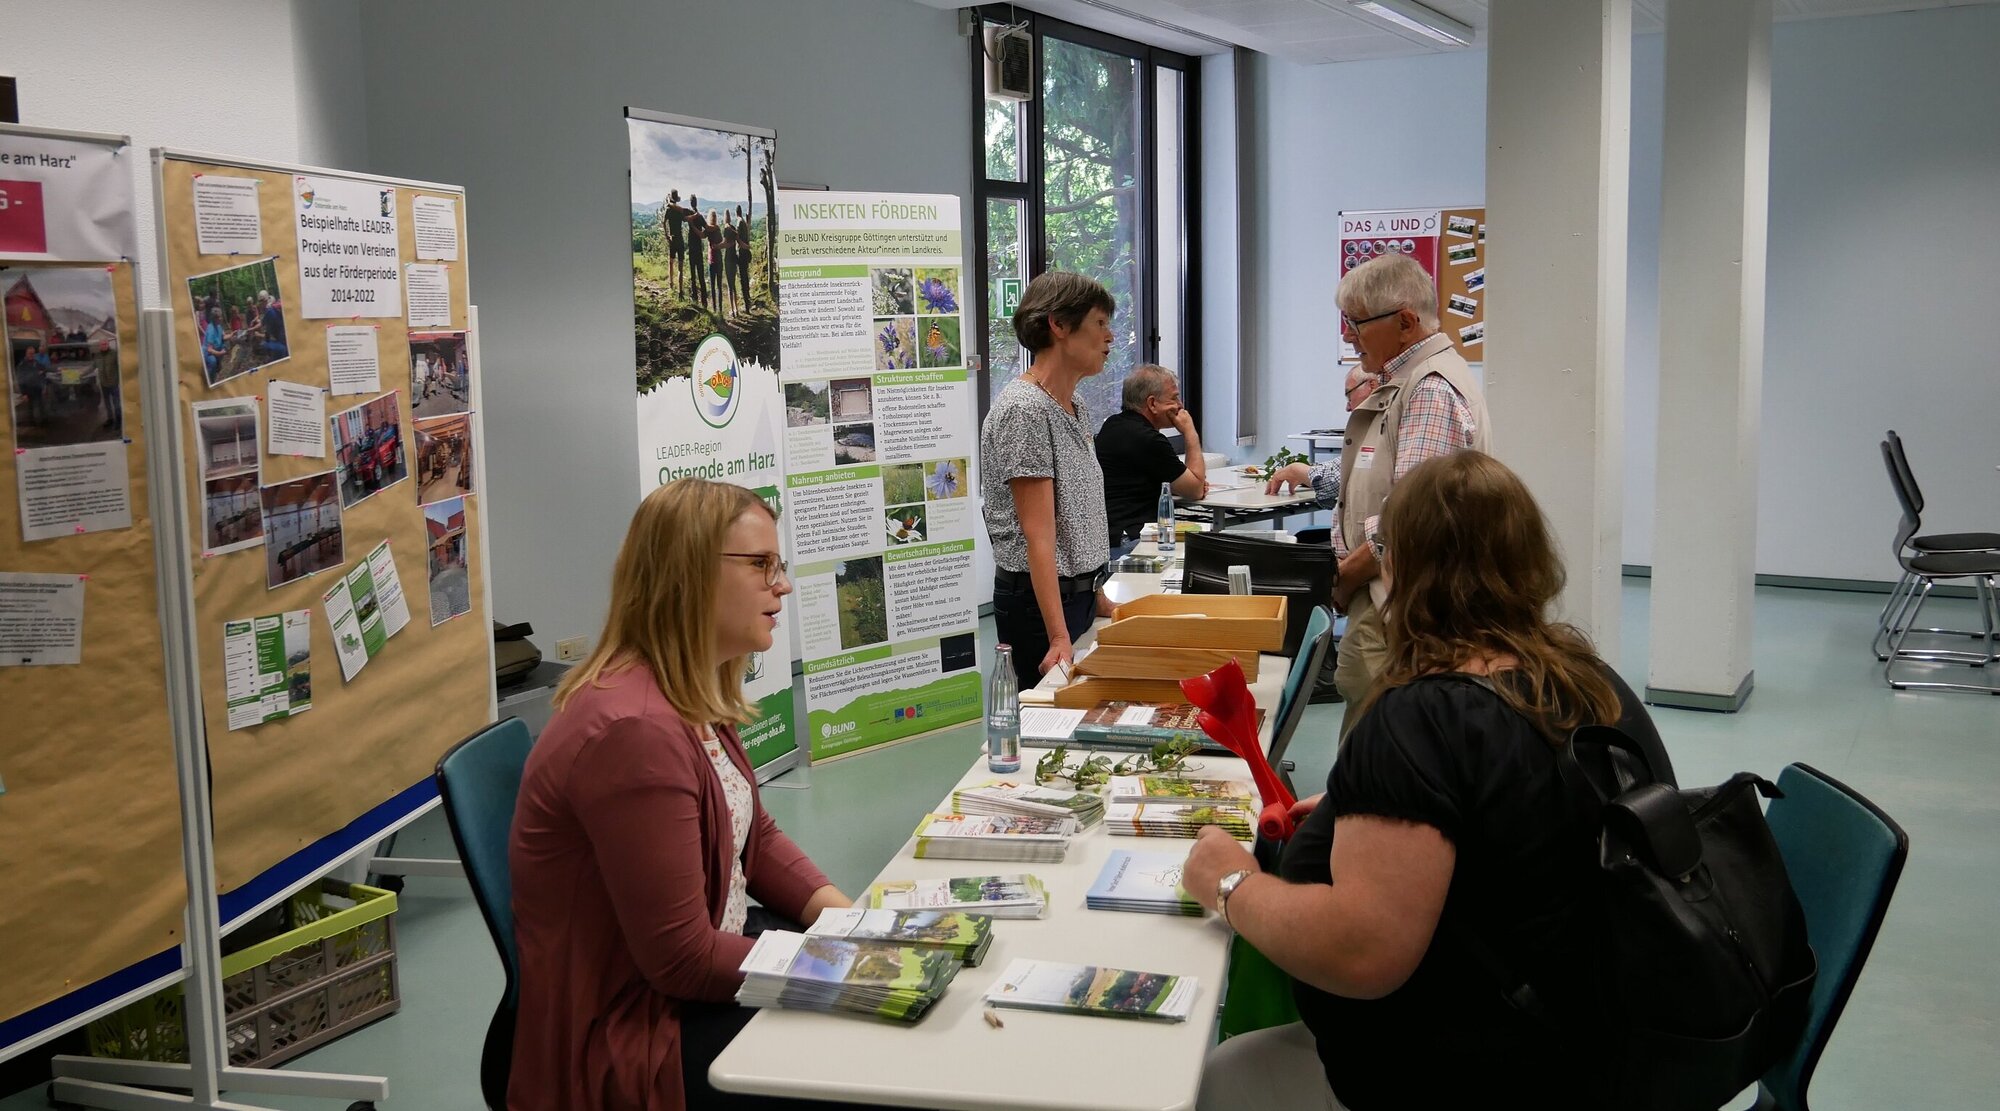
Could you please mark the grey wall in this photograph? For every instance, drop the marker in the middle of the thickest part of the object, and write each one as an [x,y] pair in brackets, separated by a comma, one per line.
[148,70]
[1885,154]
[522,103]
[1326,139]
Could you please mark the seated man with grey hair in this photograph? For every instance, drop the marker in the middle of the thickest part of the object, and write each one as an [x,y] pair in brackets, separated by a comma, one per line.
[1136,457]
[1427,405]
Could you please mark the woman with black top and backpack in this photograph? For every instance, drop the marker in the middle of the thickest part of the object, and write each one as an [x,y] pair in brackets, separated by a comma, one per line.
[1443,847]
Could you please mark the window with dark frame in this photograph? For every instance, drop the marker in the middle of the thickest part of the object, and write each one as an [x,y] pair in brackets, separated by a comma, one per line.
[1096,174]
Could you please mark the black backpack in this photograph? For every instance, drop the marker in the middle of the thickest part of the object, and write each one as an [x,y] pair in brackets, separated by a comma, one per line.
[1701,963]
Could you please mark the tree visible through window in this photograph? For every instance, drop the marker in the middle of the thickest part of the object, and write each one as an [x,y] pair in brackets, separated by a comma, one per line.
[1090,175]
[1066,182]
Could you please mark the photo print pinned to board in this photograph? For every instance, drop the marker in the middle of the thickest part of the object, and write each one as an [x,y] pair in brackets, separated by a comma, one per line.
[239,320]
[368,450]
[444,457]
[450,577]
[440,377]
[302,528]
[231,465]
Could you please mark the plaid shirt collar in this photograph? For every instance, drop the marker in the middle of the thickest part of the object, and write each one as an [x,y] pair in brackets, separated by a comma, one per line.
[1422,349]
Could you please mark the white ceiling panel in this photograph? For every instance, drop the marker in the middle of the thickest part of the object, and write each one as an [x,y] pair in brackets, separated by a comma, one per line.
[1312,32]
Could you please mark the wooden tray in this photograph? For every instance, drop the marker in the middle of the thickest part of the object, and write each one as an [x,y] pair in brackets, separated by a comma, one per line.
[1085,693]
[1130,661]
[1239,622]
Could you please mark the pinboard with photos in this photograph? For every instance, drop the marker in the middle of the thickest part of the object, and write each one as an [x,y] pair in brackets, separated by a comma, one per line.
[90,858]
[1449,243]
[326,387]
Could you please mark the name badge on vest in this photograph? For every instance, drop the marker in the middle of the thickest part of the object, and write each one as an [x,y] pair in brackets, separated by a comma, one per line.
[1366,459]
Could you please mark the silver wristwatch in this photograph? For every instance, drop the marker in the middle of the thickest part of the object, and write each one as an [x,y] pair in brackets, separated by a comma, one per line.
[1227,888]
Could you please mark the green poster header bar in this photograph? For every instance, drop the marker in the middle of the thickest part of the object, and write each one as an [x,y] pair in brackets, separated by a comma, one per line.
[918,377]
[821,478]
[927,551]
[805,273]
[848,659]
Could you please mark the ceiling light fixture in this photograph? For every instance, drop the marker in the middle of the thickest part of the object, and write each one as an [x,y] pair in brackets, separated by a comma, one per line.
[1412,16]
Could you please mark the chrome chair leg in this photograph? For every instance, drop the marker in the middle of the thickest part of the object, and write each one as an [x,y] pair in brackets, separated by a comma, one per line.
[1984,588]
[1889,619]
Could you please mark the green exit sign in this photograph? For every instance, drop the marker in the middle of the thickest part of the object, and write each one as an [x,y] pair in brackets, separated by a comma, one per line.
[1010,296]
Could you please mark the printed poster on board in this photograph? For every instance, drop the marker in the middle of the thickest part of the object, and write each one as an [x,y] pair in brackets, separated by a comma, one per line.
[1366,235]
[880,429]
[705,333]
[67,239]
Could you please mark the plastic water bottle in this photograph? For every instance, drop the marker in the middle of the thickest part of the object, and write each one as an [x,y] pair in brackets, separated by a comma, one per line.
[1003,715]
[1166,518]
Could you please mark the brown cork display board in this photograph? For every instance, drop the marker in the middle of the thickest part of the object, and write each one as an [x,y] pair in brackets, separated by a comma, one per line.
[283,784]
[1461,280]
[90,846]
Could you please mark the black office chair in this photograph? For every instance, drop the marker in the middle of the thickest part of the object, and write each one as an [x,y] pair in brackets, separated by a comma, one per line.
[1924,572]
[1901,597]
[1301,573]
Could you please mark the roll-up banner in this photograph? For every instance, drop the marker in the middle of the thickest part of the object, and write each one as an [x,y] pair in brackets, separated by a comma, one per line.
[705,323]
[879,428]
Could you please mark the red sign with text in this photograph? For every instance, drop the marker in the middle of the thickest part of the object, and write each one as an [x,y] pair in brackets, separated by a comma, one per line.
[22,230]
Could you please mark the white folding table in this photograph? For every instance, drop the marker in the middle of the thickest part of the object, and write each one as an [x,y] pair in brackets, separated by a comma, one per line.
[1059,1062]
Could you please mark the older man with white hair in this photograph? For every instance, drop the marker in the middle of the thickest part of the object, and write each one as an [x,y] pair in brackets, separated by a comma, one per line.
[1427,405]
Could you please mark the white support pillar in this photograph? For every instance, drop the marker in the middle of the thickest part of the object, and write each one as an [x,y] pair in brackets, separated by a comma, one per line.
[1714,208]
[1558,145]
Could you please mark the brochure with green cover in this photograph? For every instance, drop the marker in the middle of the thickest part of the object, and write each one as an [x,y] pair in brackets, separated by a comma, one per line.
[1093,990]
[966,936]
[1010,896]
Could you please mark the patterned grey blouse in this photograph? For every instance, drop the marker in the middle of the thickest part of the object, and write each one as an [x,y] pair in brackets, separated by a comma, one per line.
[1027,435]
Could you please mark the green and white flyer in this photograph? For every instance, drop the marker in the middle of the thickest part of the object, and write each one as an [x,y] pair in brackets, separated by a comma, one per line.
[364,608]
[879,437]
[705,332]
[267,667]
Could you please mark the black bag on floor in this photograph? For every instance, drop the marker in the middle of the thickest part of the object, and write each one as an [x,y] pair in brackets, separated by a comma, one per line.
[1702,966]
[514,655]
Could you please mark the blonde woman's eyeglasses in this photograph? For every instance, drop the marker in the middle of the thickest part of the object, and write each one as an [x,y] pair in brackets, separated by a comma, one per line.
[770,563]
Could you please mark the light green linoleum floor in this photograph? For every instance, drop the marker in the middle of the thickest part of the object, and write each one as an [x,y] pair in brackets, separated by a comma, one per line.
[1920,1031]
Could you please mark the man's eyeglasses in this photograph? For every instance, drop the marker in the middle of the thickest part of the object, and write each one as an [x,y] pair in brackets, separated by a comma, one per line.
[1354,326]
[770,563]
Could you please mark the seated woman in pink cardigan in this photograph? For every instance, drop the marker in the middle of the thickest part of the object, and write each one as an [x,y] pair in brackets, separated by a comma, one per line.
[639,841]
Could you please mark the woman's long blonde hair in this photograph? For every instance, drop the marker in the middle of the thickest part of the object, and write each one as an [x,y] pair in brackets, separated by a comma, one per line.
[1473,573]
[663,602]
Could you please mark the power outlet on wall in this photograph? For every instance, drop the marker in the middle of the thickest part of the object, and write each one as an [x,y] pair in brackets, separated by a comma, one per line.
[571,649]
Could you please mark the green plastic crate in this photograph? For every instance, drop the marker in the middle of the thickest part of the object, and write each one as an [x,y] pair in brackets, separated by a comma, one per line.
[334,972]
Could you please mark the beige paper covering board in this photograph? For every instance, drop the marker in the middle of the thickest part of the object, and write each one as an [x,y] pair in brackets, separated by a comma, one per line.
[282,785]
[90,857]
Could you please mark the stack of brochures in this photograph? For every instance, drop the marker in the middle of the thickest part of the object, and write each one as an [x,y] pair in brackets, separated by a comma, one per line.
[1009,797]
[994,837]
[1012,896]
[1149,883]
[1091,990]
[965,936]
[1179,819]
[807,973]
[1180,788]
[1138,726]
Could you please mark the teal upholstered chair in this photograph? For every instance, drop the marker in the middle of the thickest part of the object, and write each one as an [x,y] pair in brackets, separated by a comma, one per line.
[1297,695]
[479,780]
[1843,856]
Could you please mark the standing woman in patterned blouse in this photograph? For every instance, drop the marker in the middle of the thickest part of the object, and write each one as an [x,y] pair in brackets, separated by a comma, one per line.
[1043,489]
[639,840]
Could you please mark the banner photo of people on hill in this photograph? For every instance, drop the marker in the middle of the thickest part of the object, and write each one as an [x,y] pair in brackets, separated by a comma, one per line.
[705,343]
